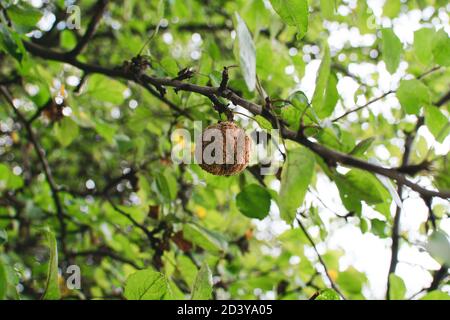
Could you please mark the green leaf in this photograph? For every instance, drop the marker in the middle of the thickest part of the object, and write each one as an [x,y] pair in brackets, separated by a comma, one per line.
[146,285]
[437,123]
[44,94]
[442,178]
[322,82]
[436,295]
[3,281]
[328,294]
[187,269]
[263,123]
[8,180]
[362,147]
[51,291]
[65,131]
[331,258]
[299,100]
[397,289]
[391,48]
[439,247]
[378,227]
[15,182]
[331,97]
[105,89]
[11,43]
[423,45]
[413,94]
[170,66]
[298,106]
[328,9]
[167,185]
[203,284]
[295,179]
[360,185]
[68,39]
[441,48]
[254,201]
[364,15]
[363,225]
[247,53]
[106,130]
[388,193]
[256,14]
[329,136]
[203,238]
[351,281]
[293,13]
[291,116]
[24,15]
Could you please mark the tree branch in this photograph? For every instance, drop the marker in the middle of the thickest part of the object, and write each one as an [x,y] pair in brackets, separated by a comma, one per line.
[99,9]
[322,262]
[396,226]
[46,167]
[423,75]
[256,109]
[148,233]
[438,277]
[104,252]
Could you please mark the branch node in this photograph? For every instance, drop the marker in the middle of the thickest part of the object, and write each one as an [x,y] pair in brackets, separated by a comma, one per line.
[185,73]
[225,78]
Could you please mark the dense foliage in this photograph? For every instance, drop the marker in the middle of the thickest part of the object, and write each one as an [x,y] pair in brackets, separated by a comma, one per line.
[87,114]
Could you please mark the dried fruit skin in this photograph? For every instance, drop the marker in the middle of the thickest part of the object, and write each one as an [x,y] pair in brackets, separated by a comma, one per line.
[235,146]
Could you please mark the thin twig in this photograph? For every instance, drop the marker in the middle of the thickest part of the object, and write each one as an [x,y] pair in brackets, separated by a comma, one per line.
[421,76]
[104,252]
[396,225]
[99,9]
[322,262]
[46,167]
[363,106]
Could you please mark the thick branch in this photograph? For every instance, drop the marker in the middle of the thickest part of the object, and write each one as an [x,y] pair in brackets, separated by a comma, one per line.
[208,91]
